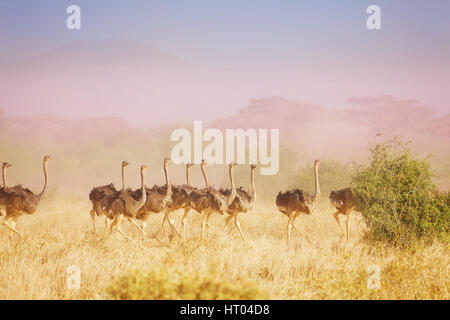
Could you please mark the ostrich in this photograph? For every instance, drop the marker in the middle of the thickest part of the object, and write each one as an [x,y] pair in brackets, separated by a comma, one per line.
[209,200]
[125,204]
[243,202]
[159,199]
[180,200]
[295,202]
[19,200]
[5,166]
[344,203]
[102,196]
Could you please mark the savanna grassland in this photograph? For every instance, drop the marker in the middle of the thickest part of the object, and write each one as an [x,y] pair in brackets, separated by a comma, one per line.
[60,234]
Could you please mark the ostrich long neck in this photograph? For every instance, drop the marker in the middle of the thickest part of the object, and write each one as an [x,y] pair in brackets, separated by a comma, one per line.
[253,185]
[187,175]
[46,179]
[144,194]
[204,175]
[169,186]
[316,174]
[233,187]
[4,176]
[123,178]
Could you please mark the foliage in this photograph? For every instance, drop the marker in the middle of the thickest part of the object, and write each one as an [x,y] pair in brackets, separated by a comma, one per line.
[160,284]
[397,198]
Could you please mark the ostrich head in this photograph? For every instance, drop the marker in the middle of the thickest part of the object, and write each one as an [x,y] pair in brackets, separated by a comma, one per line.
[253,166]
[167,161]
[6,165]
[47,159]
[144,168]
[189,164]
[316,162]
[125,163]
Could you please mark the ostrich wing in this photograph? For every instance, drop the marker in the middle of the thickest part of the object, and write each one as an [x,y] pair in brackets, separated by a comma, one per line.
[21,199]
[103,195]
[241,203]
[180,197]
[293,200]
[200,200]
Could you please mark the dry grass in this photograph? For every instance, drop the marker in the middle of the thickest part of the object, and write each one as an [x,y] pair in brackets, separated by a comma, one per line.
[60,234]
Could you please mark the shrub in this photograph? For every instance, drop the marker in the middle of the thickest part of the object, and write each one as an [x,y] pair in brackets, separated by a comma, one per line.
[159,284]
[397,198]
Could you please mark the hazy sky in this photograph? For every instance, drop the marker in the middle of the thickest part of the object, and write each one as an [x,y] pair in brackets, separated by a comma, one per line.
[315,40]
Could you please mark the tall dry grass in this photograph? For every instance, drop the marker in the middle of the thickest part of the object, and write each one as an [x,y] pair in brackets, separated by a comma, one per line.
[60,234]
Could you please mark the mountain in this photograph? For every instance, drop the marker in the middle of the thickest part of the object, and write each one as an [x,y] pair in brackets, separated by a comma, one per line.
[115,77]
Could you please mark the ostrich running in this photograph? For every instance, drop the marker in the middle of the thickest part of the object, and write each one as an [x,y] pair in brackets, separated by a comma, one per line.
[5,166]
[295,202]
[243,202]
[19,200]
[159,199]
[180,200]
[101,197]
[344,202]
[209,200]
[125,204]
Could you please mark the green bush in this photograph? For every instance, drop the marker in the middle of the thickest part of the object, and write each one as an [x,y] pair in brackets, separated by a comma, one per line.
[160,284]
[397,198]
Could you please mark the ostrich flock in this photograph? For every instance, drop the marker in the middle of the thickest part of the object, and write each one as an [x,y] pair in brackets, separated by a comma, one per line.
[137,205]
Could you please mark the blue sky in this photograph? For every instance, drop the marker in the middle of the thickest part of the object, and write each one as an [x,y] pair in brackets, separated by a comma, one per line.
[315,51]
[228,33]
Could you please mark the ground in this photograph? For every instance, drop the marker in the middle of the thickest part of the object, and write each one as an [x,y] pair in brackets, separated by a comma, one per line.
[60,234]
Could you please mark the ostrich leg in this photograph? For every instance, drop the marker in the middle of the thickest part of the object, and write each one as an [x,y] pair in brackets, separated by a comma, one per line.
[133,221]
[92,213]
[183,223]
[347,225]
[336,217]
[289,228]
[238,225]
[169,219]
[106,227]
[12,225]
[307,235]
[116,225]
[205,223]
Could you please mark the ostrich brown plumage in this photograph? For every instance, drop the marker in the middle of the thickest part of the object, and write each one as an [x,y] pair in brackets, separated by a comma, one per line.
[101,197]
[344,203]
[5,166]
[19,200]
[180,200]
[295,202]
[124,204]
[208,200]
[159,199]
[243,201]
